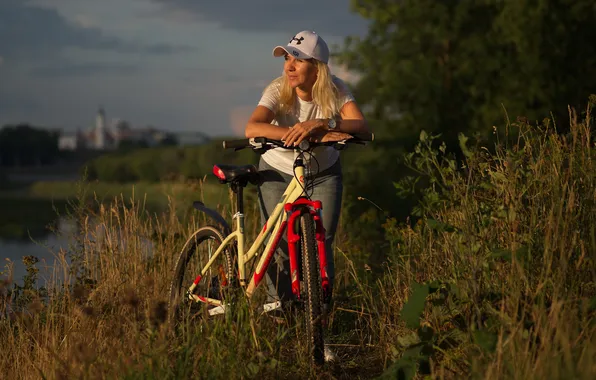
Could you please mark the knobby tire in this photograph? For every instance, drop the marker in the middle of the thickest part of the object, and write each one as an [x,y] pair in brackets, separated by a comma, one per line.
[224,266]
[312,292]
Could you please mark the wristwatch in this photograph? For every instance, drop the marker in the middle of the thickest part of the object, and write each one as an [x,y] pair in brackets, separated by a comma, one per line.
[331,124]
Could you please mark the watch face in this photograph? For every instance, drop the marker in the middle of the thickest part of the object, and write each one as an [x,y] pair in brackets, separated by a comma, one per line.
[331,123]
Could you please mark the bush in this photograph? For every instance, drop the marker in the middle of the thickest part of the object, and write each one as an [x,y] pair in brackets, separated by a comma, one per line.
[500,266]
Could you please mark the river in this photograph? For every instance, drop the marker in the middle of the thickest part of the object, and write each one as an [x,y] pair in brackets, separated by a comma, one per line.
[12,252]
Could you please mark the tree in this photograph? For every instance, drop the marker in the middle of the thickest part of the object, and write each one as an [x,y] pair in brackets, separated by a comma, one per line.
[450,66]
[455,65]
[27,145]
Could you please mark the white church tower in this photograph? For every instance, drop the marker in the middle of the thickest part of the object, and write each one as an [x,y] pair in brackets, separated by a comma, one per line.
[100,129]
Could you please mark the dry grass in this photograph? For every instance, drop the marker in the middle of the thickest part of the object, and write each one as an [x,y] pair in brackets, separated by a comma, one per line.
[509,247]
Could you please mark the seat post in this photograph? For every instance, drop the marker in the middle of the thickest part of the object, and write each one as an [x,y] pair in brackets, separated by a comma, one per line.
[238,189]
[240,199]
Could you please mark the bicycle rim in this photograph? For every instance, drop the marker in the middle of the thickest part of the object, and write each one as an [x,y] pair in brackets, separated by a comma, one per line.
[215,284]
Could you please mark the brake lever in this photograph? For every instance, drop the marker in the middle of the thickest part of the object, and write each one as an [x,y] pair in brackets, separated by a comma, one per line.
[256,143]
[340,145]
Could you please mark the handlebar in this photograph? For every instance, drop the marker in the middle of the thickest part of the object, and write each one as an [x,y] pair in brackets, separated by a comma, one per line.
[236,144]
[266,143]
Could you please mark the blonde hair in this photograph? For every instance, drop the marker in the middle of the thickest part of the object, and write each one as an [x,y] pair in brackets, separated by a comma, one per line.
[325,93]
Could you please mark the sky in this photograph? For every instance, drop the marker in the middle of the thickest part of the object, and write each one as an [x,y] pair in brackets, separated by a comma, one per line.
[178,65]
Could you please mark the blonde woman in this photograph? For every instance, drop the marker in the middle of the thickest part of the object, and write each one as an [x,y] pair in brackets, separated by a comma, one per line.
[306,102]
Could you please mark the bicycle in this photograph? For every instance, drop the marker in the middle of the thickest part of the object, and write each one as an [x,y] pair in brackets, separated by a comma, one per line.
[209,284]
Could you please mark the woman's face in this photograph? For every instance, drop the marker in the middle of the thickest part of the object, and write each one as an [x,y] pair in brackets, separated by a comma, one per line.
[301,73]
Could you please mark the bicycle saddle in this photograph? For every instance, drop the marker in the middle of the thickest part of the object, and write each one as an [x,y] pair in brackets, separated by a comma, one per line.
[230,173]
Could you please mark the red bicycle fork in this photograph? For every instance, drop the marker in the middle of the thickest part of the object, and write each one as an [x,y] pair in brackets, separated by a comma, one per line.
[295,210]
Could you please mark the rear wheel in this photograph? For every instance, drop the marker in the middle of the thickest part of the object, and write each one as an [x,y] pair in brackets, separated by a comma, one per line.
[215,284]
[311,292]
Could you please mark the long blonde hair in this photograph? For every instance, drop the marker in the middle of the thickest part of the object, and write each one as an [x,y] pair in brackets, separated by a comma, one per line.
[325,93]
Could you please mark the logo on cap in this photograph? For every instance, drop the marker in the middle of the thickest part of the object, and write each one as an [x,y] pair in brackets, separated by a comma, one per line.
[295,53]
[298,40]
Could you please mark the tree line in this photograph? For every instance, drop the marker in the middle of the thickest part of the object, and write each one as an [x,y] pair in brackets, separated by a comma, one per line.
[166,163]
[26,145]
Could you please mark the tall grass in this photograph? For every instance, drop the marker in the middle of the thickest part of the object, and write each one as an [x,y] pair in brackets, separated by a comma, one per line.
[496,280]
[499,272]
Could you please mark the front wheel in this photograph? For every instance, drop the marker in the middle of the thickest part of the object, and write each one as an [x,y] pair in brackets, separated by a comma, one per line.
[214,284]
[311,291]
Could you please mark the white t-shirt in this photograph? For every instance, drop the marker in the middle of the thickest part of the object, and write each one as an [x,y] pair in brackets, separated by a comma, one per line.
[283,159]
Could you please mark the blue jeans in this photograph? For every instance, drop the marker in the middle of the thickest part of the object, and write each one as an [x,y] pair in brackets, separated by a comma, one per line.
[328,189]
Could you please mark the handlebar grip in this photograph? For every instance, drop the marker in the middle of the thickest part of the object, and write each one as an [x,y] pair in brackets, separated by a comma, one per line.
[364,136]
[235,144]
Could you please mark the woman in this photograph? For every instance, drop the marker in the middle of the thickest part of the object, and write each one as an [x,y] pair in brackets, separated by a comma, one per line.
[306,102]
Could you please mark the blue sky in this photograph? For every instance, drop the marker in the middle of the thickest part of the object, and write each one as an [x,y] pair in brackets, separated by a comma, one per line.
[175,64]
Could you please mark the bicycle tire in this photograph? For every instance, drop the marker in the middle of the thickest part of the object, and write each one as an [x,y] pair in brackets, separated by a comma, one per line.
[190,251]
[311,291]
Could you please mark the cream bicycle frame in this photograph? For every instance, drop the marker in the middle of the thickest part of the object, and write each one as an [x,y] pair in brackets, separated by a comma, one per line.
[272,226]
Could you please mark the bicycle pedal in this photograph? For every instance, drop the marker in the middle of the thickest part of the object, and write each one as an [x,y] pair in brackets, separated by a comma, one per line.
[276,311]
[272,306]
[217,310]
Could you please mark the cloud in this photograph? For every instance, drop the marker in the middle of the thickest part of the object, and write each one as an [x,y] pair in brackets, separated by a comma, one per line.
[83,69]
[85,21]
[15,103]
[342,72]
[328,17]
[173,14]
[28,32]
[167,49]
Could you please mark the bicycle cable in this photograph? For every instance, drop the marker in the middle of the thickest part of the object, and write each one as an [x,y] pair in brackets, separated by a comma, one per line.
[312,176]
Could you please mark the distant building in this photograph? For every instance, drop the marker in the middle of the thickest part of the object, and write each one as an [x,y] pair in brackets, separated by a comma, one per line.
[68,142]
[192,138]
[72,141]
[147,136]
[109,137]
[100,137]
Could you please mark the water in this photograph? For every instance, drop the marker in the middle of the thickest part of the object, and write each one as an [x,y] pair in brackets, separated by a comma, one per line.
[48,248]
[44,249]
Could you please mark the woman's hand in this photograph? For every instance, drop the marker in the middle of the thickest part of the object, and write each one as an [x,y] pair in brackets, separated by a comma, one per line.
[300,131]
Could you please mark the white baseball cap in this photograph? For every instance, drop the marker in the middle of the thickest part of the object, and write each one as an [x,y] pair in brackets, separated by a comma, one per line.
[305,45]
